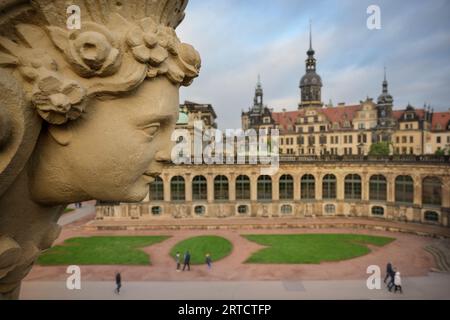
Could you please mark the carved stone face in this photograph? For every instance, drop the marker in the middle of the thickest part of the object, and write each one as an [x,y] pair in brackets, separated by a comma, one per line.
[80,161]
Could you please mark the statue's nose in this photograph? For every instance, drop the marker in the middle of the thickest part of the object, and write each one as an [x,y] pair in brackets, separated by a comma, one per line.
[162,156]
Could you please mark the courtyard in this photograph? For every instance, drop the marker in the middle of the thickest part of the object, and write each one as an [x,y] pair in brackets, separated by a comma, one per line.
[233,269]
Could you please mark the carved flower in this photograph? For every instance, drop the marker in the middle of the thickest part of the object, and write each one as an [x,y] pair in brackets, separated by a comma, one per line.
[92,51]
[159,48]
[146,48]
[58,102]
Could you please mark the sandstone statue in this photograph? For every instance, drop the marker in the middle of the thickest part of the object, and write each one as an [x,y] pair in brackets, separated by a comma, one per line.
[85,113]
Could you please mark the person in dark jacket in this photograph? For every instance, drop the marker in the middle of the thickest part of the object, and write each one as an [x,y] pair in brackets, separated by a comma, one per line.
[118,282]
[389,273]
[391,283]
[208,261]
[187,261]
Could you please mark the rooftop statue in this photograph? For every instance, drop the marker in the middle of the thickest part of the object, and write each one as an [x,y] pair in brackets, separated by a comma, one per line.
[84,113]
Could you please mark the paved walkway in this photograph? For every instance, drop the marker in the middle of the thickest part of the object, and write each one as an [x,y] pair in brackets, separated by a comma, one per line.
[433,286]
[87,209]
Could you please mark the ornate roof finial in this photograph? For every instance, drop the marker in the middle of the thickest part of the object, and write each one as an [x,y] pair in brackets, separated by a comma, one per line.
[310,50]
[310,34]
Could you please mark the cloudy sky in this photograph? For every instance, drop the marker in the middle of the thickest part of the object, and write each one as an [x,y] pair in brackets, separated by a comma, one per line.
[239,39]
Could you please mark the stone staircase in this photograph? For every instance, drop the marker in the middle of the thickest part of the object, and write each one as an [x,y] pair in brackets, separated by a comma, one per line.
[441,253]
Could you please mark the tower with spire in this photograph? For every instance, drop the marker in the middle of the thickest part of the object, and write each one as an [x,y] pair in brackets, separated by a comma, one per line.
[258,99]
[311,83]
[385,103]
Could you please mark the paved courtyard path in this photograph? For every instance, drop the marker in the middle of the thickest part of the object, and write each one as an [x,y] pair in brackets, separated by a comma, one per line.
[88,209]
[433,286]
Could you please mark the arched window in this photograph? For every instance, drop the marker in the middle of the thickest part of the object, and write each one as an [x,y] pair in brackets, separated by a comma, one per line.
[378,188]
[177,189]
[242,188]
[431,216]
[199,188]
[157,190]
[377,211]
[308,186]
[432,191]
[404,189]
[220,188]
[264,188]
[286,187]
[352,187]
[329,186]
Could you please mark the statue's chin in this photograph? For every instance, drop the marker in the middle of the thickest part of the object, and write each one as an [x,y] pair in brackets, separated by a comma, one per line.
[135,194]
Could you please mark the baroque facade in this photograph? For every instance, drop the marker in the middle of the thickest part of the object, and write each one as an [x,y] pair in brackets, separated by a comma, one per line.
[315,129]
[325,168]
[403,188]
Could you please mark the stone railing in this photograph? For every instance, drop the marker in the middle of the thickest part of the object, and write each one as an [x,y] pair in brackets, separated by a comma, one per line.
[422,159]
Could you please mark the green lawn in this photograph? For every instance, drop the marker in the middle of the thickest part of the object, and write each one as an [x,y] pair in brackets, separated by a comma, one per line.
[312,248]
[100,251]
[217,247]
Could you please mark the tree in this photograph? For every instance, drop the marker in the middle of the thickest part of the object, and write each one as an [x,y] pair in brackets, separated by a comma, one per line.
[379,149]
[440,152]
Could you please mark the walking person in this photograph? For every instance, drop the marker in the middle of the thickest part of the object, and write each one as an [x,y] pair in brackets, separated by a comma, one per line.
[398,282]
[208,261]
[177,258]
[187,261]
[118,283]
[389,272]
[391,283]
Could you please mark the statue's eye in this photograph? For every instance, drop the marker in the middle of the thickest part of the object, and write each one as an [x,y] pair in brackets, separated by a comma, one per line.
[151,130]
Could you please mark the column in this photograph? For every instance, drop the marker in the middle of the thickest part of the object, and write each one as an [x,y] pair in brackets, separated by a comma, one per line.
[318,186]
[210,187]
[446,192]
[340,185]
[445,201]
[166,183]
[232,187]
[188,187]
[275,187]
[296,187]
[417,190]
[390,180]
[253,187]
[364,186]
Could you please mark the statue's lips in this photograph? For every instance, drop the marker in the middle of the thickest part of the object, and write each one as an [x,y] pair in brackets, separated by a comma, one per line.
[152,175]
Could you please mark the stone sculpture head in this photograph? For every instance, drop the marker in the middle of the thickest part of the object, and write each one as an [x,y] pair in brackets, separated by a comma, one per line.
[86,113]
[107,94]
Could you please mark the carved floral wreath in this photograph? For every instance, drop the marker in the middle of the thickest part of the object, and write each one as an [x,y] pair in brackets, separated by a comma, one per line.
[95,51]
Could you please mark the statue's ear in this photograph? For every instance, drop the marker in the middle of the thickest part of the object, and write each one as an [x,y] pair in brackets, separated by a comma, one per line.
[62,134]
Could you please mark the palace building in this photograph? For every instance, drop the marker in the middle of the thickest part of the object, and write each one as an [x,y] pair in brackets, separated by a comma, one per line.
[315,129]
[326,168]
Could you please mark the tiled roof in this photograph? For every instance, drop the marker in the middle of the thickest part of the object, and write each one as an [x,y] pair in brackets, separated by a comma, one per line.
[333,114]
[340,113]
[440,119]
[397,114]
